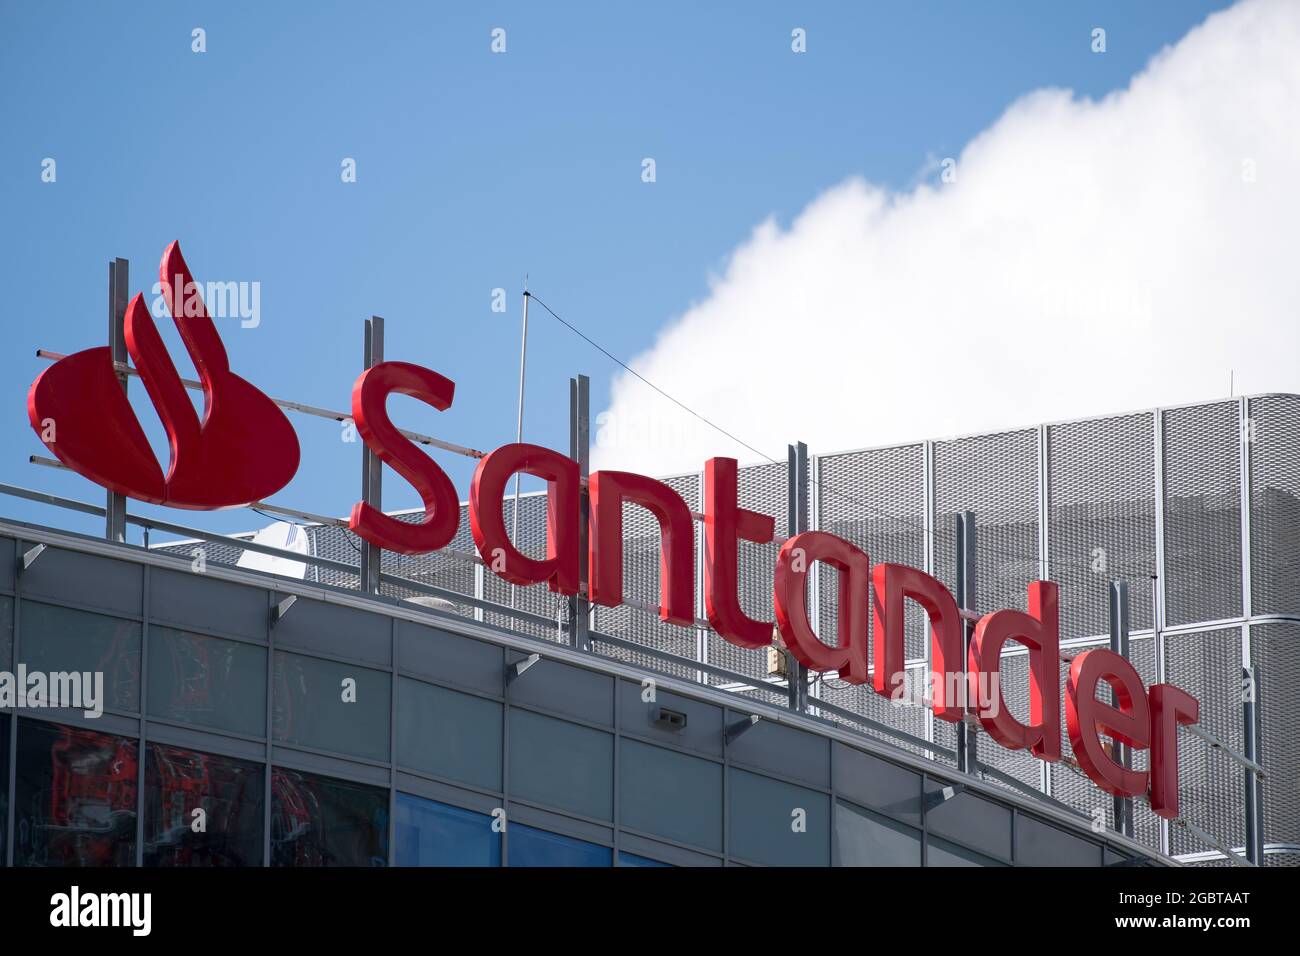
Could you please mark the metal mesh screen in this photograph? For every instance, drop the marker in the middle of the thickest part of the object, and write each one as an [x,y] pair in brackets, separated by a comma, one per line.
[440,569]
[875,499]
[1273,431]
[861,699]
[1202,513]
[996,477]
[215,552]
[641,547]
[1101,518]
[760,488]
[535,598]
[1208,666]
[1275,652]
[1071,787]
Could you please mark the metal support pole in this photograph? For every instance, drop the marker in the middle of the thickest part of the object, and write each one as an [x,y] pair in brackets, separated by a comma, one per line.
[1119,624]
[965,528]
[519,427]
[796,521]
[580,451]
[1254,791]
[371,466]
[118,282]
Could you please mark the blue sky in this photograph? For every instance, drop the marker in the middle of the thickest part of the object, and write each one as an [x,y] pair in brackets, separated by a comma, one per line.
[472,169]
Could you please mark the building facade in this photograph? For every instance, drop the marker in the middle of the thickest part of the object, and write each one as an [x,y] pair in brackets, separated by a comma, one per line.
[415,726]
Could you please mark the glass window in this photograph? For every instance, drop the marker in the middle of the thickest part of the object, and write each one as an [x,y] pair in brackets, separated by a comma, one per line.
[321,821]
[331,706]
[435,834]
[75,797]
[942,853]
[958,814]
[631,859]
[559,764]
[449,734]
[670,794]
[6,632]
[61,639]
[872,782]
[532,847]
[864,838]
[196,679]
[4,785]
[229,792]
[768,827]
[1038,844]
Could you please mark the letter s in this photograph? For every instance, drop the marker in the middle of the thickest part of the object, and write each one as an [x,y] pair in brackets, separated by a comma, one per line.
[369,411]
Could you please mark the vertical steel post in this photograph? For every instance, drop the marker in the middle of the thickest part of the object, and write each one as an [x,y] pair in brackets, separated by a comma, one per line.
[519,422]
[965,528]
[1158,647]
[1119,624]
[1254,793]
[371,466]
[796,522]
[580,451]
[118,281]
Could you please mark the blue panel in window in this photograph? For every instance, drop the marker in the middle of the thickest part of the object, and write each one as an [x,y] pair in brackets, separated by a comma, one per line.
[532,847]
[631,859]
[435,834]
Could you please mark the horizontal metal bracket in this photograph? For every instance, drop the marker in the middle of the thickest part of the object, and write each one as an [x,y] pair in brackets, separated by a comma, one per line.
[280,610]
[30,556]
[516,670]
[733,731]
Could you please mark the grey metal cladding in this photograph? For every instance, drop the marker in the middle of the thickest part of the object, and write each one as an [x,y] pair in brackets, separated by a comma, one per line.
[996,477]
[1272,429]
[1207,665]
[875,499]
[1202,524]
[1275,649]
[534,598]
[1101,518]
[641,558]
[760,488]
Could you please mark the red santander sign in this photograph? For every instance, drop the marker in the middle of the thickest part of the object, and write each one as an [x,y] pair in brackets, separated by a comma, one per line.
[244,449]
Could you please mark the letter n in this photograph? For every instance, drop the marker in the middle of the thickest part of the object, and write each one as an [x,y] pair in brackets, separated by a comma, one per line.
[893,584]
[608,491]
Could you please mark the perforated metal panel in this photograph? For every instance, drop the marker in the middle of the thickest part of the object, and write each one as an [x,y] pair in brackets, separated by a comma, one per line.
[1101,518]
[861,699]
[760,488]
[439,569]
[1208,666]
[535,598]
[1273,429]
[1074,789]
[641,559]
[996,477]
[1275,651]
[1202,513]
[875,499]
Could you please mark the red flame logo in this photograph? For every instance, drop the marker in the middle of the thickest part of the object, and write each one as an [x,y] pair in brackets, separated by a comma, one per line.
[243,450]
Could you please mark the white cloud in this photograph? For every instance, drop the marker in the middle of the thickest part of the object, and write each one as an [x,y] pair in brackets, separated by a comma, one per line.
[1092,256]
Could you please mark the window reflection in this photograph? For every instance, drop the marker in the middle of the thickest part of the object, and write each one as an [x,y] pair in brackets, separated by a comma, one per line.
[321,821]
[532,847]
[207,680]
[228,832]
[435,834]
[75,797]
[62,639]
